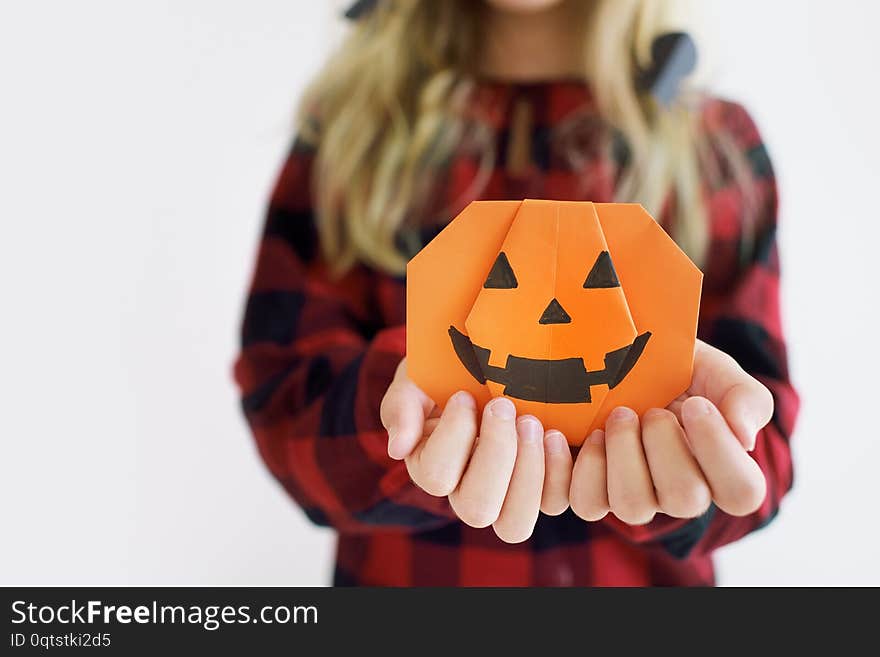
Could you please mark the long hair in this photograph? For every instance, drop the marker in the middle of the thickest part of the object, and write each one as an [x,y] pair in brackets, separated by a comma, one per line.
[382,115]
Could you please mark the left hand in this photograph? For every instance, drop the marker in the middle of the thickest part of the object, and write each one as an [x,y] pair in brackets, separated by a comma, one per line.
[679,459]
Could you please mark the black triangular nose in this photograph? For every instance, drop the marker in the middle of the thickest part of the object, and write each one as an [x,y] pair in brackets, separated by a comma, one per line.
[554,313]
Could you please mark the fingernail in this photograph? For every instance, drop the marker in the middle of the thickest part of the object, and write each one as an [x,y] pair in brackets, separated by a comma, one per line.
[556,443]
[654,413]
[753,426]
[462,398]
[695,407]
[622,414]
[391,436]
[503,408]
[597,437]
[529,429]
[755,423]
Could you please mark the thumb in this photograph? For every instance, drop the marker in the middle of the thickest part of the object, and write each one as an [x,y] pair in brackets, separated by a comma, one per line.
[403,411]
[747,407]
[745,402]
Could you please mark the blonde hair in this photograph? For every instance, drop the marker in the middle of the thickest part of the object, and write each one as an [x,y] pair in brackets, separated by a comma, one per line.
[383,115]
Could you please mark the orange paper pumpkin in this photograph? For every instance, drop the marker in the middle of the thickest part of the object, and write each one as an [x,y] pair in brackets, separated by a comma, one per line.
[568,308]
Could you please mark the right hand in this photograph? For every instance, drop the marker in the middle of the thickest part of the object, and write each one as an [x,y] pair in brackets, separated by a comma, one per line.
[499,475]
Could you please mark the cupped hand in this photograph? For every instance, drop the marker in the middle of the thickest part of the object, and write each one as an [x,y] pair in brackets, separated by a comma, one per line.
[679,459]
[496,470]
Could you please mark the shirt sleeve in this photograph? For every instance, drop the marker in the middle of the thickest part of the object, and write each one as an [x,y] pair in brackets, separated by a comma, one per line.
[315,361]
[742,319]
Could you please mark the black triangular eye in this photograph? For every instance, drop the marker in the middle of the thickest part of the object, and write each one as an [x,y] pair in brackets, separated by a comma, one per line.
[602,274]
[501,277]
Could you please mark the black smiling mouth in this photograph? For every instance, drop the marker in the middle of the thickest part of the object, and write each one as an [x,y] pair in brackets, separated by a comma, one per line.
[563,381]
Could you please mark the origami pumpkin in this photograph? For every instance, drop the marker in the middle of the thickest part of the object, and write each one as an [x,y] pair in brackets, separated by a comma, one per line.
[567,308]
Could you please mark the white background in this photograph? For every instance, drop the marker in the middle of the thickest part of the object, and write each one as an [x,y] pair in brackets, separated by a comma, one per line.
[138,143]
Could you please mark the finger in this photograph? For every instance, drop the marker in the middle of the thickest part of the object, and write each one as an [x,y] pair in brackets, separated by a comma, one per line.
[737,483]
[557,474]
[589,483]
[681,490]
[402,412]
[429,426]
[630,488]
[437,463]
[480,494]
[745,402]
[523,500]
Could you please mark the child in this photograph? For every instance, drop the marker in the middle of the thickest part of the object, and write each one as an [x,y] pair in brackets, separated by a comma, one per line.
[426,107]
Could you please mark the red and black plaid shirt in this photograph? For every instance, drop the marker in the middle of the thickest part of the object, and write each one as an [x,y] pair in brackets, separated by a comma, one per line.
[318,354]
